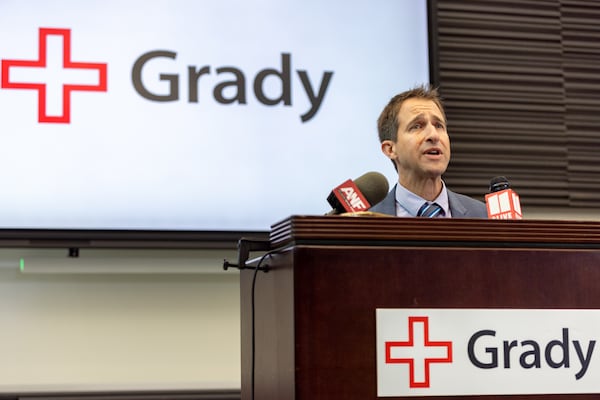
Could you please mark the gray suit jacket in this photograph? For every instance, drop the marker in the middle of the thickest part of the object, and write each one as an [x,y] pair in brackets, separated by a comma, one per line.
[461,206]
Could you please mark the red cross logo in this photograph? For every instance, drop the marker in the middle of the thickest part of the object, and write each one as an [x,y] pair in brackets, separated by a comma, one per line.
[41,75]
[418,354]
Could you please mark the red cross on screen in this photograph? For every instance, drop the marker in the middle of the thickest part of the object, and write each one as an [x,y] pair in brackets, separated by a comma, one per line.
[63,115]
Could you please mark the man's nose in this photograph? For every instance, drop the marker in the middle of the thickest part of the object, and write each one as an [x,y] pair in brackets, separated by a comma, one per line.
[432,133]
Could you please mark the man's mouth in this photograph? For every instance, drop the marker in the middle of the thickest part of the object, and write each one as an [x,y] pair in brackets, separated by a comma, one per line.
[433,152]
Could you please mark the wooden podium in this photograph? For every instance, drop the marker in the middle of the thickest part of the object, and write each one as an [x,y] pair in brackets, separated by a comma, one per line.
[314,311]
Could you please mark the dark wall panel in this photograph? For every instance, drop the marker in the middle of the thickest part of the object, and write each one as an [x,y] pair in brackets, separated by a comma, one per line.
[520,81]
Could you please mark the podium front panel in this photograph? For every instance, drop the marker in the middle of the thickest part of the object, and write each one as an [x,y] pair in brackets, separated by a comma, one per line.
[315,310]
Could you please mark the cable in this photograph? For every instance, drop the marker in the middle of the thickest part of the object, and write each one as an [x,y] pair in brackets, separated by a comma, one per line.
[252,313]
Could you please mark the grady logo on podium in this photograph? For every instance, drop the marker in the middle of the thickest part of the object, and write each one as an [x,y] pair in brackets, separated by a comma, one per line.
[418,353]
[441,352]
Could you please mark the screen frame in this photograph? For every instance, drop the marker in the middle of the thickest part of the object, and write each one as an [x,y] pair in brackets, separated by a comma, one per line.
[74,239]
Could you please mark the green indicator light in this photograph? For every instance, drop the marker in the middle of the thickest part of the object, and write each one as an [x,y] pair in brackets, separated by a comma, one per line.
[22,264]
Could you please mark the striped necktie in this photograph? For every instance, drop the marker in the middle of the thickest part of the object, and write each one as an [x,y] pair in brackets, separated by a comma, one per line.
[430,210]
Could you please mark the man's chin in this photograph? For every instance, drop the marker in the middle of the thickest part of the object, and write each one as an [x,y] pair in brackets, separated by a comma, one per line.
[434,173]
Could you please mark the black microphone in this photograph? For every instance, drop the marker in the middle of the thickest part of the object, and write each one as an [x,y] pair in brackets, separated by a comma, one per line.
[502,202]
[358,195]
[498,183]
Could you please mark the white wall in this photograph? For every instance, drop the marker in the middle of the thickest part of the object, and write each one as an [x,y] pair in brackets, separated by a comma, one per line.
[118,331]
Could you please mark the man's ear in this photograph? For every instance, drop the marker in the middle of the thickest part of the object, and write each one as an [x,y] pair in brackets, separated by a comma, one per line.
[389,149]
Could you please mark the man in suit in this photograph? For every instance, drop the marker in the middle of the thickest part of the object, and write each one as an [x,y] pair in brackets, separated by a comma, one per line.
[412,132]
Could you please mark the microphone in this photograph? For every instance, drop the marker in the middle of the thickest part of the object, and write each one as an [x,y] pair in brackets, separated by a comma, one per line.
[502,202]
[358,195]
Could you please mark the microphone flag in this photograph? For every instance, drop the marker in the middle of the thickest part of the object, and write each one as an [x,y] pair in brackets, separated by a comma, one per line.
[504,203]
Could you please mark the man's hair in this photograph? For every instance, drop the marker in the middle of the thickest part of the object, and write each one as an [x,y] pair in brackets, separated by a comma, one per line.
[387,123]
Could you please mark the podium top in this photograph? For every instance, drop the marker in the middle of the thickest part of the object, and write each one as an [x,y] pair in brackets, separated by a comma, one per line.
[371,230]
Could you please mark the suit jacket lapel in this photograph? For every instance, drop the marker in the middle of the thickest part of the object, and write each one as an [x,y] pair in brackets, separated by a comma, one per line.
[457,209]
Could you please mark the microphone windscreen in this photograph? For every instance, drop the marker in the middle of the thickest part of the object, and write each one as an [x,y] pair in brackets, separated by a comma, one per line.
[373,185]
[498,183]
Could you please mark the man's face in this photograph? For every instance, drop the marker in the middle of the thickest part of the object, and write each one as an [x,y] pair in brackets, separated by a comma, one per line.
[422,148]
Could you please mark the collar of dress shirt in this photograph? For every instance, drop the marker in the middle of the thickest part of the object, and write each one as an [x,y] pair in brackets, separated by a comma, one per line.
[408,203]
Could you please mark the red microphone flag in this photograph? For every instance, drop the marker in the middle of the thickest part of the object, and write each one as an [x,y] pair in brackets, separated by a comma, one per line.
[350,197]
[504,204]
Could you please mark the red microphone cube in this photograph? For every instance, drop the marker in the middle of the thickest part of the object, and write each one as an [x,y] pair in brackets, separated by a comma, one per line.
[504,204]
